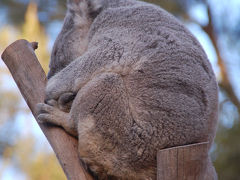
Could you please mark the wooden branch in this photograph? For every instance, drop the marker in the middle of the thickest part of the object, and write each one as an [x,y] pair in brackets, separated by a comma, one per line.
[183,162]
[225,83]
[31,80]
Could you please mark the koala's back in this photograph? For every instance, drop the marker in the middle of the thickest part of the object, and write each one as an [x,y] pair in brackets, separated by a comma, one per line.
[169,80]
[157,90]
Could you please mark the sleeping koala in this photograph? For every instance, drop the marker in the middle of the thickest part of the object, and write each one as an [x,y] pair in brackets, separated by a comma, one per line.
[128,79]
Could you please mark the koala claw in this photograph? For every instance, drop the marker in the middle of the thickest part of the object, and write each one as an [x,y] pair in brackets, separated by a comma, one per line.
[44,108]
[51,102]
[52,115]
[42,118]
[44,112]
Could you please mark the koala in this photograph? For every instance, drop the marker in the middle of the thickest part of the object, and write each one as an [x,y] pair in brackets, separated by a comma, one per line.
[128,79]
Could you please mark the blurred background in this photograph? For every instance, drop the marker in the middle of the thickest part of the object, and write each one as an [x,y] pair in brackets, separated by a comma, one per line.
[25,153]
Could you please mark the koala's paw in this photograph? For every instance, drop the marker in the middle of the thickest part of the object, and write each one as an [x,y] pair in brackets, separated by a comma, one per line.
[53,115]
[50,114]
[47,113]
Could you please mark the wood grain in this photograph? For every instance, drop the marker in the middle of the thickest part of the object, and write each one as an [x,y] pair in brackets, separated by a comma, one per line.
[31,80]
[183,163]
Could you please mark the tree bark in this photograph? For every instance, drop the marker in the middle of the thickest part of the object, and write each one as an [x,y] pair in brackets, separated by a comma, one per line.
[225,82]
[31,80]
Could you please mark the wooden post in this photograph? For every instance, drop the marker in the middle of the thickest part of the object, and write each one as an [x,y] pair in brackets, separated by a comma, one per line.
[183,163]
[31,80]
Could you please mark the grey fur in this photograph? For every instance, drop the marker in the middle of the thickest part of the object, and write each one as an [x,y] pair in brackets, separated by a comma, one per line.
[142,83]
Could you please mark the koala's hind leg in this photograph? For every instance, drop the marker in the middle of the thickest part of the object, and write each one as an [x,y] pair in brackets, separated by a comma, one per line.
[101,108]
[53,115]
[107,144]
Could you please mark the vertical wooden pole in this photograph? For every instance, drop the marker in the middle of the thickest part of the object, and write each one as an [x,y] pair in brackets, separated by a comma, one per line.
[183,163]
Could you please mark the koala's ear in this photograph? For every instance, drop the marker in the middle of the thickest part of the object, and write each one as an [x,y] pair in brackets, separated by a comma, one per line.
[72,5]
[90,7]
[95,7]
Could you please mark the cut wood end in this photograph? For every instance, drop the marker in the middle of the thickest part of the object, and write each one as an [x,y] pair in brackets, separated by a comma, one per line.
[22,43]
[8,50]
[185,146]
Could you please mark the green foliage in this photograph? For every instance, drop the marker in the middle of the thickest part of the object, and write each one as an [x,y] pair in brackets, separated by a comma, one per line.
[48,10]
[228,152]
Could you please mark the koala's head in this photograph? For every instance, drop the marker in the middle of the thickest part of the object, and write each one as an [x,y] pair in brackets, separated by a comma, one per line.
[72,41]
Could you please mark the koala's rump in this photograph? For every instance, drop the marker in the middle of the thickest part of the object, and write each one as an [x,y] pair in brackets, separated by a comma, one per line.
[167,98]
[161,102]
